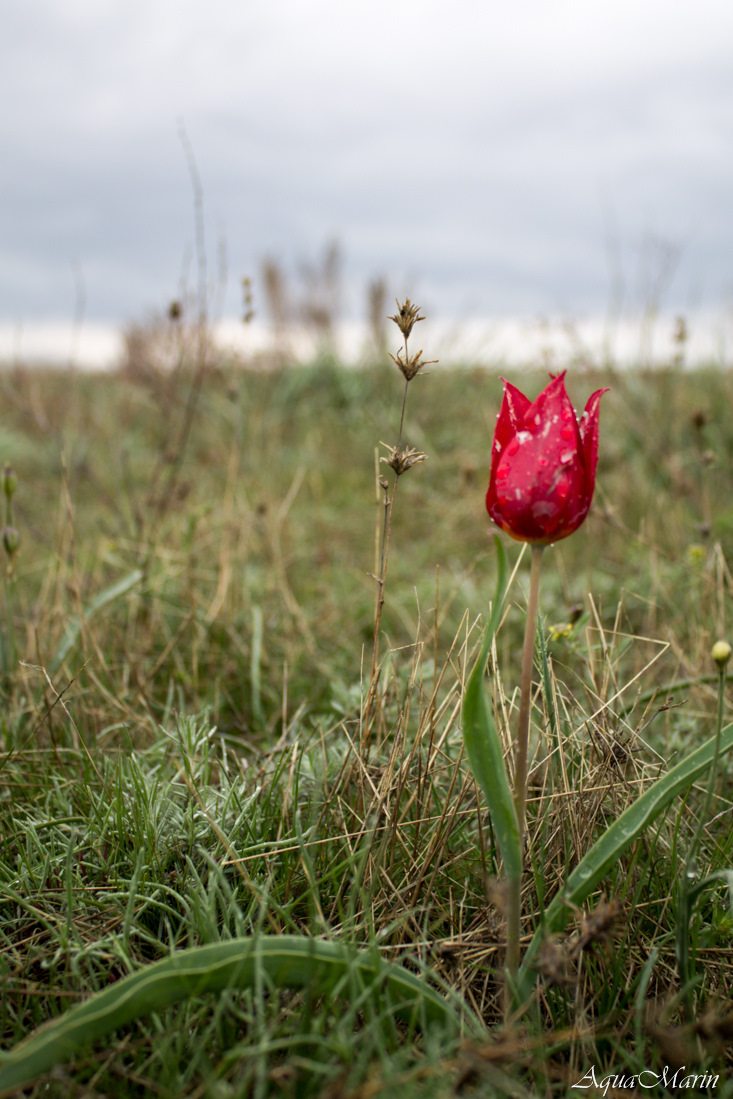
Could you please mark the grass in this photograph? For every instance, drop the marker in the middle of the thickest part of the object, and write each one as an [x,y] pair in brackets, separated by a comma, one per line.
[193,614]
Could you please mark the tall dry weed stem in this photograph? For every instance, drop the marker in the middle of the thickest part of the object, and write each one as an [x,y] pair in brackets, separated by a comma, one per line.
[399,458]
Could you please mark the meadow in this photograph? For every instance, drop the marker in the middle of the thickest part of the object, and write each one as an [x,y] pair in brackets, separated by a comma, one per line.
[196,748]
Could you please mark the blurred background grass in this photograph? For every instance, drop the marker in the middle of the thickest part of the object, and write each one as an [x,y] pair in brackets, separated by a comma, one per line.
[255,529]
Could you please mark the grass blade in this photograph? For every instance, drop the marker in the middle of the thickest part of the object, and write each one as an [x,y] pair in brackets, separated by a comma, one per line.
[73,626]
[614,841]
[287,960]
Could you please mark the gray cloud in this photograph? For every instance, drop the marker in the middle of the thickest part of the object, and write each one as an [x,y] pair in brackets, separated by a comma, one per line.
[493,156]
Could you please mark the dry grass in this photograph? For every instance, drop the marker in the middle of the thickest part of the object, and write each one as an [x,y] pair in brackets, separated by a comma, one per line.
[245,501]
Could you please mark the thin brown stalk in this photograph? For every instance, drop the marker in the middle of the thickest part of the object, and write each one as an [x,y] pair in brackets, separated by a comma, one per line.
[389,499]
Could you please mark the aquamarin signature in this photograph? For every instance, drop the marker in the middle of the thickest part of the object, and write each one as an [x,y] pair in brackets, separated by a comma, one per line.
[647,1078]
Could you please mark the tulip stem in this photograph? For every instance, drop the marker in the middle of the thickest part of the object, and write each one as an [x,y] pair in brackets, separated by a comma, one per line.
[514,883]
[522,750]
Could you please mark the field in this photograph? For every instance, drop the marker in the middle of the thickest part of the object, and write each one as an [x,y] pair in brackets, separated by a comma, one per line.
[197,747]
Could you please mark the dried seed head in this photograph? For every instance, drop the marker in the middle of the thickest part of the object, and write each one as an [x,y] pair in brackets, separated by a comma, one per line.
[411,365]
[406,317]
[402,458]
[721,653]
[248,312]
[553,963]
[716,1030]
[598,926]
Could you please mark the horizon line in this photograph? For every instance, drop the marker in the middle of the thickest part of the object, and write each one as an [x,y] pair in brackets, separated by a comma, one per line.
[651,338]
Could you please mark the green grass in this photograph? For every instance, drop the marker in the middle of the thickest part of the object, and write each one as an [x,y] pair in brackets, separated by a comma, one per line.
[183,772]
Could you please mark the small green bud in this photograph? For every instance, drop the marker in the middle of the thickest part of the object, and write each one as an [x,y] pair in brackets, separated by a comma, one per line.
[11,540]
[10,481]
[721,653]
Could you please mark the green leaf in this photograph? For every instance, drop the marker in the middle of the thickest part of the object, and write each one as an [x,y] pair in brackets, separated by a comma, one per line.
[73,626]
[286,960]
[483,743]
[606,851]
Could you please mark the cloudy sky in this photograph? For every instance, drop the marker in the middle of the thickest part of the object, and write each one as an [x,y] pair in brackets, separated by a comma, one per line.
[488,158]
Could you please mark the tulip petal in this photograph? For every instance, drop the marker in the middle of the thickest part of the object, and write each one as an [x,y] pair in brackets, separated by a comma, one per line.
[553,415]
[511,416]
[589,434]
[539,491]
[543,463]
[508,423]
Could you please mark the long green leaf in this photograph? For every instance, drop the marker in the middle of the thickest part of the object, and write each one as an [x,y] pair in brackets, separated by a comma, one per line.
[483,743]
[73,626]
[606,851]
[286,960]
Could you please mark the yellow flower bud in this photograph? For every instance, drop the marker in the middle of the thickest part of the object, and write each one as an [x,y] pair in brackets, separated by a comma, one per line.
[721,653]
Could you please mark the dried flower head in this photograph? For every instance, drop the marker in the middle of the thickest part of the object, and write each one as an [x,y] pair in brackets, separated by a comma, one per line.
[553,963]
[402,458]
[248,313]
[406,317]
[411,364]
[598,926]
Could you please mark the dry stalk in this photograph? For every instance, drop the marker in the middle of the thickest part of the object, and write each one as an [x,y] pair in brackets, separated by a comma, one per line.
[400,460]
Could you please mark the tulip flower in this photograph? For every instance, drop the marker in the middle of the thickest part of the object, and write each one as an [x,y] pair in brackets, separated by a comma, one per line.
[543,472]
[543,464]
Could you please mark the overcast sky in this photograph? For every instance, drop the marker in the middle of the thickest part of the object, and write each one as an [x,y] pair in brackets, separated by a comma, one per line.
[515,156]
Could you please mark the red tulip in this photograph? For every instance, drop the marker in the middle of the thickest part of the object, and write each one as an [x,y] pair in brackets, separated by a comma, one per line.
[543,463]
